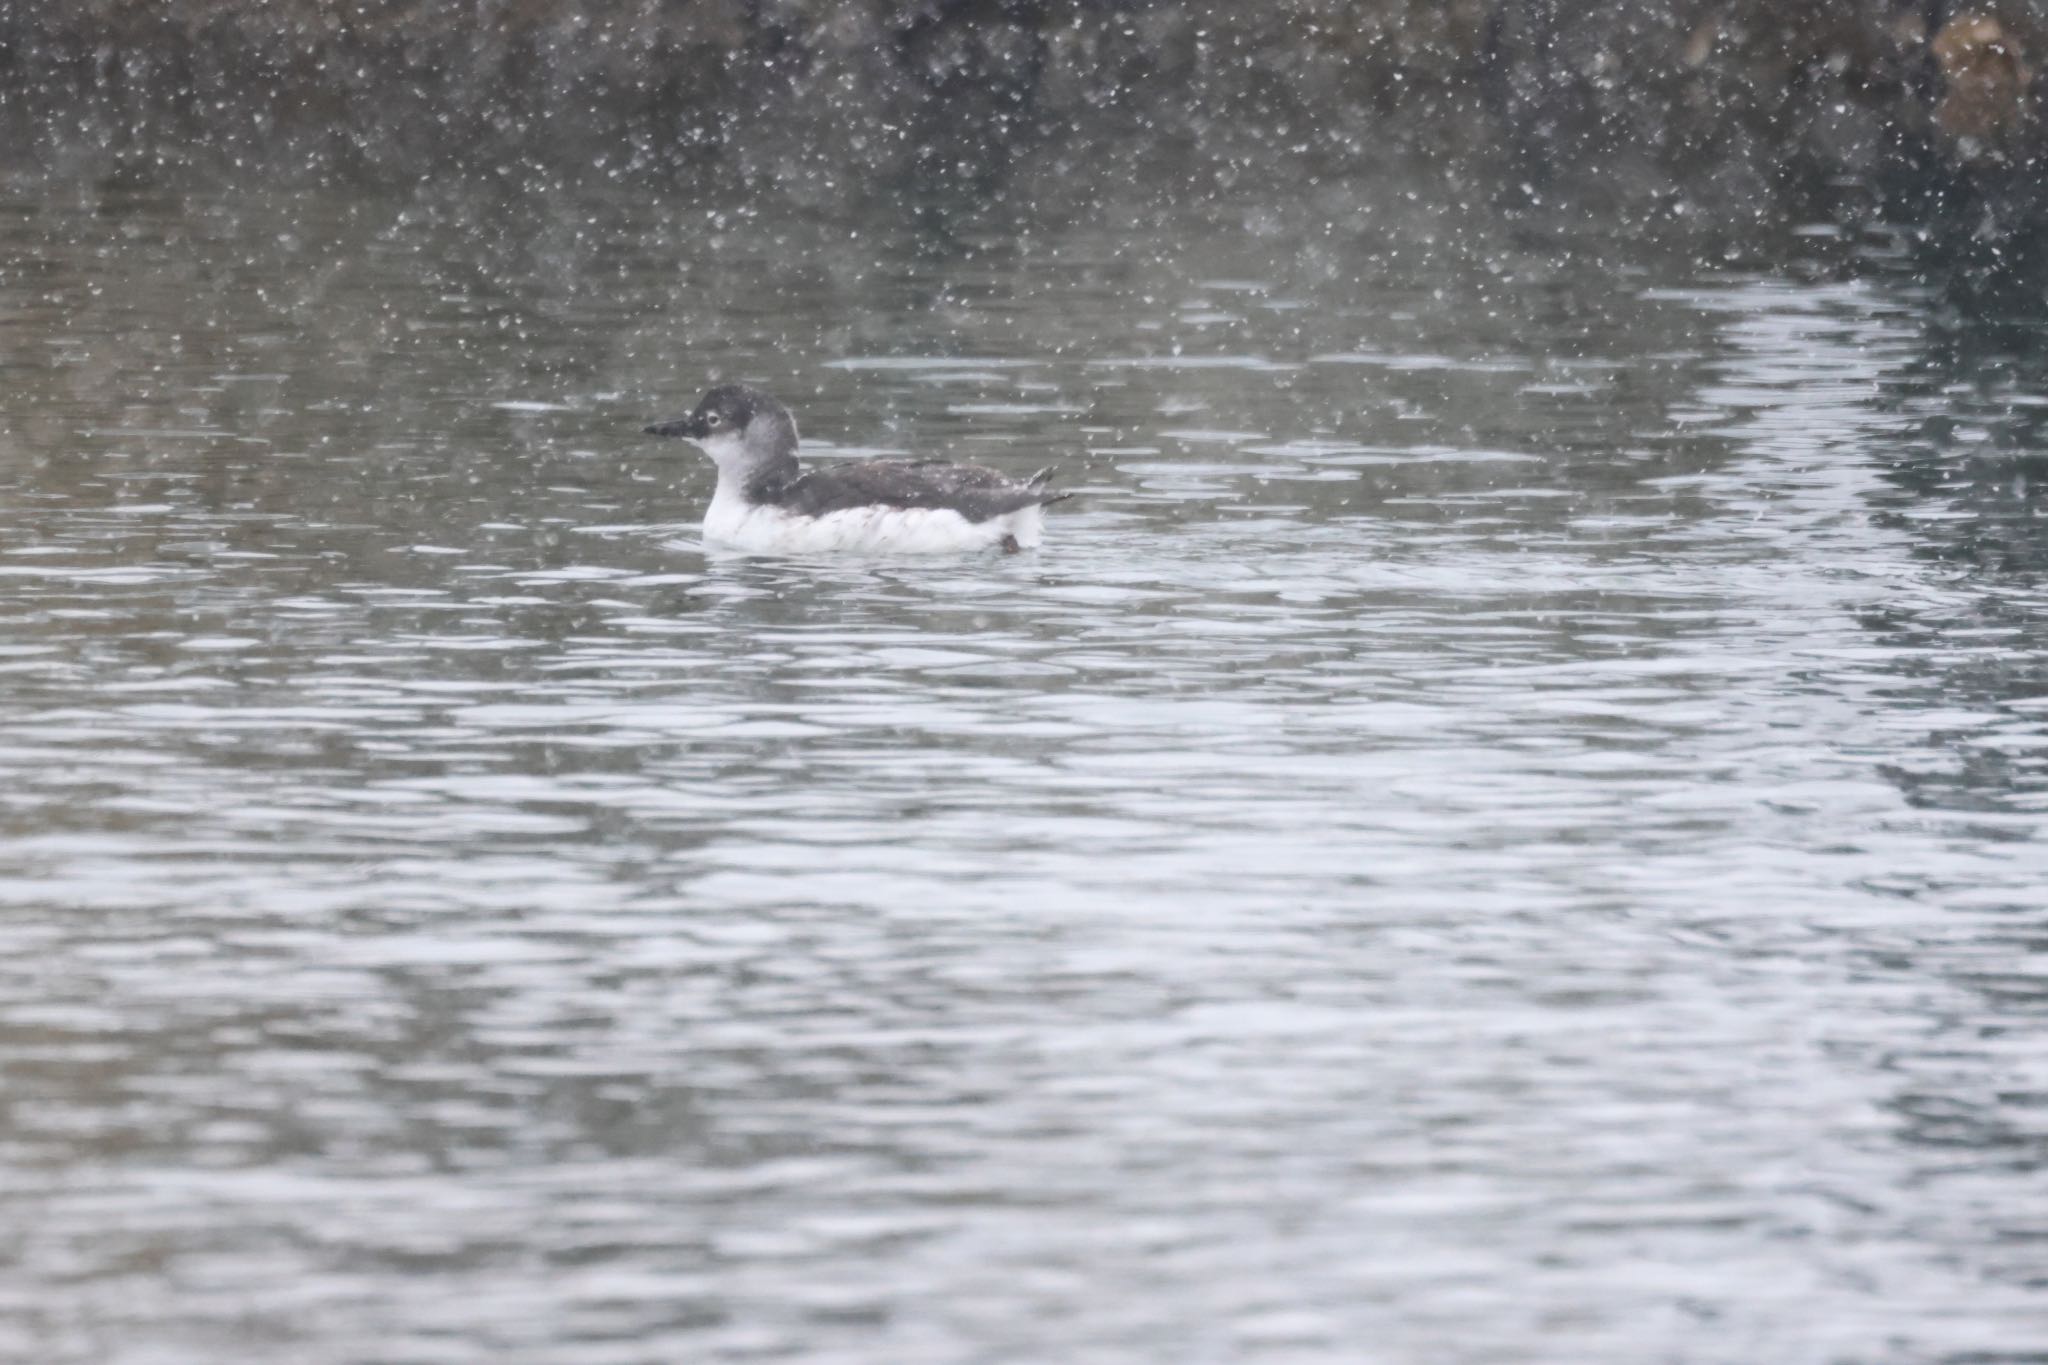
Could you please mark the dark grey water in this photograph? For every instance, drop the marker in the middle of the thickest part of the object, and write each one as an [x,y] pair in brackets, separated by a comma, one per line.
[1504,825]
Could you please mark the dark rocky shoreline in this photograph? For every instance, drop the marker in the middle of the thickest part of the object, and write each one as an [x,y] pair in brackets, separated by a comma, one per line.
[1741,107]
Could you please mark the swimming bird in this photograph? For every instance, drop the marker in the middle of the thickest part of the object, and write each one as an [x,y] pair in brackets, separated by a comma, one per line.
[763,501]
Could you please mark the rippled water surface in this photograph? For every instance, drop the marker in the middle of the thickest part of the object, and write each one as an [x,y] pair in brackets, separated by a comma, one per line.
[1505,822]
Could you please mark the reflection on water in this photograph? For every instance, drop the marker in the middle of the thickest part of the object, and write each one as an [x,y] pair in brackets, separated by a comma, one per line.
[1503,825]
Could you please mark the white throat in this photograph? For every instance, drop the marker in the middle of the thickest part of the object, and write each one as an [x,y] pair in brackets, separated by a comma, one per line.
[729,452]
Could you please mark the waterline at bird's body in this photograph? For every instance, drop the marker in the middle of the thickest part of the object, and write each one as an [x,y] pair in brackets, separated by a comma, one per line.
[874,528]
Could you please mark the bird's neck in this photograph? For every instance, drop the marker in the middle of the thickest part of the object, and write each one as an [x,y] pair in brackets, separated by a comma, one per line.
[765,481]
[755,483]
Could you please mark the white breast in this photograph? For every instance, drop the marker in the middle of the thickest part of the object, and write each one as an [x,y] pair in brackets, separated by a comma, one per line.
[866,530]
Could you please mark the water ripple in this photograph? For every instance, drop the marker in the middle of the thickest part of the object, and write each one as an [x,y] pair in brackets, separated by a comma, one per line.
[1505,837]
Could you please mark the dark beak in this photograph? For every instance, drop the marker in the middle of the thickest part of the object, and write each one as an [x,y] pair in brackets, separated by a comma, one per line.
[692,427]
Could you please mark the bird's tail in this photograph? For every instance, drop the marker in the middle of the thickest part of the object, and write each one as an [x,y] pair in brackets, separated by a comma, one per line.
[1040,480]
[1045,496]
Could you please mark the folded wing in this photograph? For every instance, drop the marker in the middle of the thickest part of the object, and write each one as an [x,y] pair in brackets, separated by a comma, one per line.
[975,492]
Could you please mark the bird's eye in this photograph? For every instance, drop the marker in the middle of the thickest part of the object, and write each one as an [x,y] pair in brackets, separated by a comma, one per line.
[712,419]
